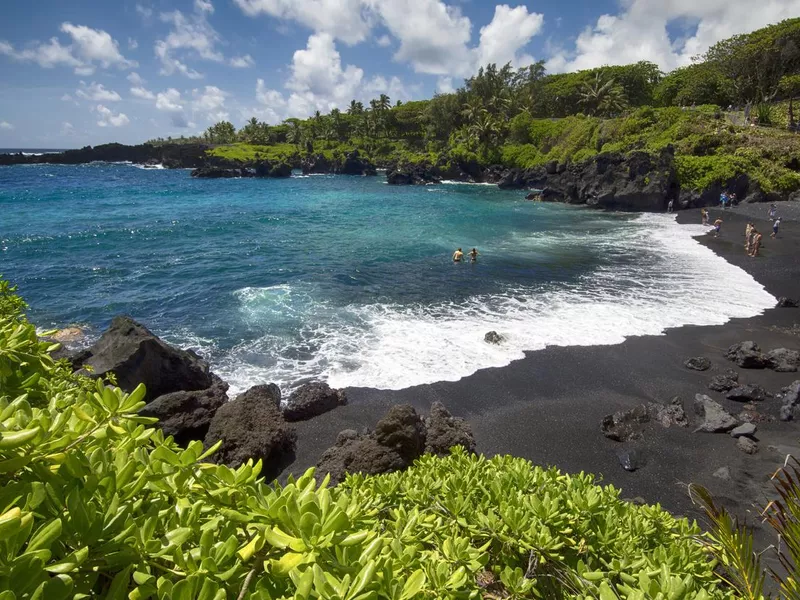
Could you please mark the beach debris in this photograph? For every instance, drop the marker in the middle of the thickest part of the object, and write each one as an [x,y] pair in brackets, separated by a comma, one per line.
[747,445]
[723,473]
[715,418]
[747,355]
[784,302]
[631,460]
[783,360]
[698,363]
[791,397]
[725,381]
[187,415]
[626,425]
[252,426]
[399,438]
[493,338]
[748,393]
[311,400]
[443,431]
[745,429]
[130,351]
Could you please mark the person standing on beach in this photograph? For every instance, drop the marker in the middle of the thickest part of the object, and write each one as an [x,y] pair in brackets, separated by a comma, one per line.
[747,233]
[704,216]
[473,255]
[775,227]
[756,245]
[458,255]
[717,227]
[670,205]
[773,210]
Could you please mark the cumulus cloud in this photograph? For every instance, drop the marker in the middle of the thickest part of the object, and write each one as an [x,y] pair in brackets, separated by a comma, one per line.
[242,62]
[135,78]
[88,49]
[107,118]
[143,93]
[384,41]
[510,30]
[444,85]
[170,101]
[132,43]
[639,31]
[346,20]
[67,129]
[6,125]
[191,35]
[96,92]
[210,102]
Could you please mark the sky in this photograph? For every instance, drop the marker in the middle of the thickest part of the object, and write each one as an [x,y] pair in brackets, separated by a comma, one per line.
[88,72]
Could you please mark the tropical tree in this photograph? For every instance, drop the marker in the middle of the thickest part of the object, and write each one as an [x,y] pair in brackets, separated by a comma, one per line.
[355,108]
[295,133]
[602,97]
[484,131]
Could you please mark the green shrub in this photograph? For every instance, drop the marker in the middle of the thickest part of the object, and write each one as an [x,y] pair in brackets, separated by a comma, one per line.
[95,502]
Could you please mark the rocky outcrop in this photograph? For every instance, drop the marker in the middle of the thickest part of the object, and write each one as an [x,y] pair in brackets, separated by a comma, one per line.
[443,431]
[493,337]
[747,393]
[134,355]
[784,302]
[747,355]
[412,175]
[187,415]
[697,363]
[252,426]
[355,164]
[311,400]
[725,381]
[627,425]
[399,438]
[783,360]
[791,398]
[172,156]
[221,173]
[715,418]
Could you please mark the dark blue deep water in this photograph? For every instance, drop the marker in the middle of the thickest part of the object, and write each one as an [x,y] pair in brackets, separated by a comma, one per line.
[348,279]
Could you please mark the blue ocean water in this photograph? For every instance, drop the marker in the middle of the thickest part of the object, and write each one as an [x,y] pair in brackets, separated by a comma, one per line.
[347,279]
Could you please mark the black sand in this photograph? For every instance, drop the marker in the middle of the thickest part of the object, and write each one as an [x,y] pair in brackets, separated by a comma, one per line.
[548,407]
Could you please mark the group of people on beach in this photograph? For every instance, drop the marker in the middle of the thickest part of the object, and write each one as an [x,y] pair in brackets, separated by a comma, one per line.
[752,240]
[458,255]
[726,199]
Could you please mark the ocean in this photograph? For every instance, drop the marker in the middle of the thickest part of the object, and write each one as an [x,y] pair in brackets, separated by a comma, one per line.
[347,279]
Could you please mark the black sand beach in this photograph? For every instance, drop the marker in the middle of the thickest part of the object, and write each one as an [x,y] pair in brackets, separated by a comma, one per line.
[548,407]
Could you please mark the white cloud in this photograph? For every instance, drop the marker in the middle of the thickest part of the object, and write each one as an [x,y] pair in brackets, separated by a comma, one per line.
[242,62]
[210,101]
[132,43]
[204,6]
[190,35]
[169,101]
[510,30]
[96,45]
[143,93]
[639,31]
[444,85]
[144,11]
[346,20]
[96,92]
[273,106]
[66,98]
[392,87]
[89,47]
[67,129]
[135,78]
[107,118]
[384,41]
[6,125]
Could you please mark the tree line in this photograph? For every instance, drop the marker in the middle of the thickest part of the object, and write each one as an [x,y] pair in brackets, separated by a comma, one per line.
[498,104]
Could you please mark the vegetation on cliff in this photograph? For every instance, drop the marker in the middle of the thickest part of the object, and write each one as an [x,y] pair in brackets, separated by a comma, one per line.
[95,502]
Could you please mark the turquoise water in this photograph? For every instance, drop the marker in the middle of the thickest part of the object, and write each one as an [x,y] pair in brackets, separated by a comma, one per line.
[348,279]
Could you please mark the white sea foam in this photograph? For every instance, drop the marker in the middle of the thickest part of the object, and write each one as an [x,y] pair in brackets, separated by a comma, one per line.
[454,182]
[155,167]
[393,346]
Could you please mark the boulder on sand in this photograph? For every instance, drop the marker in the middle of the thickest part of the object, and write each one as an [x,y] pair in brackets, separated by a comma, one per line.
[443,431]
[251,426]
[725,381]
[715,418]
[747,355]
[398,440]
[747,445]
[791,398]
[784,302]
[745,429]
[493,338]
[783,360]
[625,426]
[130,351]
[747,393]
[186,415]
[698,363]
[311,400]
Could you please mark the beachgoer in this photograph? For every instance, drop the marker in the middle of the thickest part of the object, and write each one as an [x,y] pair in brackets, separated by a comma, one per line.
[458,255]
[756,244]
[732,198]
[775,227]
[747,232]
[717,227]
[704,216]
[670,205]
[773,210]
[473,255]
[723,198]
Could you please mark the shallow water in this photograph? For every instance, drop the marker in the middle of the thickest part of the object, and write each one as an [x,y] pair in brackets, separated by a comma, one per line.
[347,279]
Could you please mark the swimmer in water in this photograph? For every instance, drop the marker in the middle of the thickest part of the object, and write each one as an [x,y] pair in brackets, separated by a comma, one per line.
[458,255]
[473,255]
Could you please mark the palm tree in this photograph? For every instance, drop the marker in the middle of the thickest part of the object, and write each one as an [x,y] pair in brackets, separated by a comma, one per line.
[384,102]
[472,111]
[355,108]
[295,133]
[604,97]
[484,130]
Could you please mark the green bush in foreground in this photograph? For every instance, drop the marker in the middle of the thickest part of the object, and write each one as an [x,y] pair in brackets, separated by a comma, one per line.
[96,503]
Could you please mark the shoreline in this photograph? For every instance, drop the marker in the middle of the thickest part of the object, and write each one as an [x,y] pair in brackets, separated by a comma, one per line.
[547,407]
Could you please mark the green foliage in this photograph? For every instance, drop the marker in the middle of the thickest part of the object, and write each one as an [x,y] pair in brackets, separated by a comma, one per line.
[95,502]
[699,83]
[249,152]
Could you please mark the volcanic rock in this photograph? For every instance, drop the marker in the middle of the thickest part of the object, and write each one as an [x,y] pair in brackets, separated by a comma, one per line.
[698,363]
[724,382]
[747,445]
[715,418]
[493,338]
[791,398]
[444,431]
[783,360]
[784,302]
[747,393]
[747,355]
[311,400]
